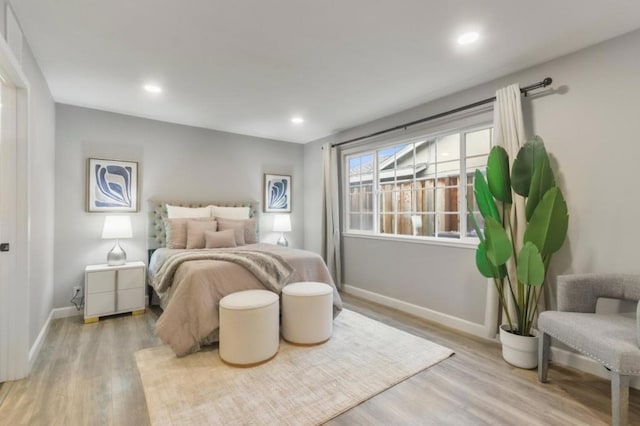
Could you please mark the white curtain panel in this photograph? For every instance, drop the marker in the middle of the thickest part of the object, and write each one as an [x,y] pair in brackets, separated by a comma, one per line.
[508,132]
[331,213]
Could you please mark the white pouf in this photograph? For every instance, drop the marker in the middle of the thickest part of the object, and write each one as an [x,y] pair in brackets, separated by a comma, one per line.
[307,313]
[249,327]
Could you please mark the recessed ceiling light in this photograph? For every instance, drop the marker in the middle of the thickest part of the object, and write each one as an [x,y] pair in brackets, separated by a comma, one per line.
[152,88]
[297,120]
[468,38]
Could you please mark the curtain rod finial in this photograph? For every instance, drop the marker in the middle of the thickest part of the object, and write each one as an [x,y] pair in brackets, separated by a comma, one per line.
[547,81]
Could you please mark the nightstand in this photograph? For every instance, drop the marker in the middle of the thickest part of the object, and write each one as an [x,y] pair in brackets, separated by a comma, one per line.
[112,290]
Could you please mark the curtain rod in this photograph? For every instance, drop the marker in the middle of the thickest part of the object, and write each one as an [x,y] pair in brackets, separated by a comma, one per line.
[525,90]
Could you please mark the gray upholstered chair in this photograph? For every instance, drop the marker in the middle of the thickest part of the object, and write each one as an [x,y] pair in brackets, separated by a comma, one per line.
[610,339]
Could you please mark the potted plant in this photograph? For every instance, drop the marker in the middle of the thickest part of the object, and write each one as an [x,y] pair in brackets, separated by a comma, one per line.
[519,273]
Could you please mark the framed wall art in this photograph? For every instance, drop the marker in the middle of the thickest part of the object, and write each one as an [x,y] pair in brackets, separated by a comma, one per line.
[112,185]
[277,193]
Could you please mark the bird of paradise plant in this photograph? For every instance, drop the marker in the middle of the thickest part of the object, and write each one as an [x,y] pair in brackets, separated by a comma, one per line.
[547,220]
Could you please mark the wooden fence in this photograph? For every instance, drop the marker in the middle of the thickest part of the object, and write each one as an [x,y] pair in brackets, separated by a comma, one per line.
[414,204]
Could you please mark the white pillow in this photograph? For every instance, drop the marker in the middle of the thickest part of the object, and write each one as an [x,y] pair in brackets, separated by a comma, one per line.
[177,212]
[230,212]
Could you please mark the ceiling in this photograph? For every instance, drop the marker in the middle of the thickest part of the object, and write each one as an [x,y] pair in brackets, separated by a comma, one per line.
[248,66]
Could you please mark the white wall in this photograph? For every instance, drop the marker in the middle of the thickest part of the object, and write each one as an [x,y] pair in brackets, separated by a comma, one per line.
[41,194]
[590,122]
[421,274]
[175,163]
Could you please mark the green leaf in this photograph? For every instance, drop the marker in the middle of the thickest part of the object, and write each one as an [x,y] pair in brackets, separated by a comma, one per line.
[484,199]
[498,174]
[525,164]
[530,268]
[474,222]
[541,182]
[485,267]
[497,242]
[548,226]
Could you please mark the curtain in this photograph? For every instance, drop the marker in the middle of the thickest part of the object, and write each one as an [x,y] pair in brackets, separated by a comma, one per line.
[508,132]
[331,212]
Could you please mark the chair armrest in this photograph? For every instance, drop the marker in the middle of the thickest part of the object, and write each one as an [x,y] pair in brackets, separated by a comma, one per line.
[580,292]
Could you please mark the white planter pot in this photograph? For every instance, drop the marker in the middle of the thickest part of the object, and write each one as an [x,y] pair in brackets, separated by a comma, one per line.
[519,351]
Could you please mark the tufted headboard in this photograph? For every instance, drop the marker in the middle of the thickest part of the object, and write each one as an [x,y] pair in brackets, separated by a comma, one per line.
[158,212]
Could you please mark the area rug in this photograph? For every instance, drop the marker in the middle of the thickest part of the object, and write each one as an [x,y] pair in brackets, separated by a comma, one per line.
[300,386]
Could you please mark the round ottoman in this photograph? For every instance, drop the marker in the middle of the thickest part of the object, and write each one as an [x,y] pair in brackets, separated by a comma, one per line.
[249,327]
[307,313]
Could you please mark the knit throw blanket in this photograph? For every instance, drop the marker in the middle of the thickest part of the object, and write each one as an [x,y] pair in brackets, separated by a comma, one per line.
[270,269]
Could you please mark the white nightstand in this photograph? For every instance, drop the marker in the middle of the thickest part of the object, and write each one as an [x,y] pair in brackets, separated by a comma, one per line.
[112,290]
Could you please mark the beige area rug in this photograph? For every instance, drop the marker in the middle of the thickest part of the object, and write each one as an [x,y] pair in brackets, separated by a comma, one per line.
[300,386]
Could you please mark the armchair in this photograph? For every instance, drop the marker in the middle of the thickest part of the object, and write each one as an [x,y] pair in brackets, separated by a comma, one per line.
[611,340]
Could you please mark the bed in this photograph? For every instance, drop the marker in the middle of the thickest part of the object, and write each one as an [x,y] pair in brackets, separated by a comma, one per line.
[189,283]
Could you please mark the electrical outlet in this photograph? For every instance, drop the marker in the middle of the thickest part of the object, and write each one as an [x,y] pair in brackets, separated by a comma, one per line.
[77,291]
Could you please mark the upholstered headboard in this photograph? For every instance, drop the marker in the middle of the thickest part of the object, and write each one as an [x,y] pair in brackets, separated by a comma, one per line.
[158,212]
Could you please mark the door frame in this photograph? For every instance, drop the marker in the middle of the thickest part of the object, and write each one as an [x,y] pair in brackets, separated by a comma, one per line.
[14,308]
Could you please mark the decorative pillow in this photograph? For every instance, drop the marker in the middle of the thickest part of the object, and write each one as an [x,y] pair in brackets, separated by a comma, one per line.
[238,234]
[196,230]
[178,212]
[230,212]
[248,227]
[176,231]
[220,239]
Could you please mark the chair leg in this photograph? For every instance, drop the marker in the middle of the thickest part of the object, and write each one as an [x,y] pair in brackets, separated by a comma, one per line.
[543,356]
[619,399]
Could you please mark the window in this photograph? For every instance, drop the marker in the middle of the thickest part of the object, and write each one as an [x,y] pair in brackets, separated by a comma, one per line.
[417,188]
[360,204]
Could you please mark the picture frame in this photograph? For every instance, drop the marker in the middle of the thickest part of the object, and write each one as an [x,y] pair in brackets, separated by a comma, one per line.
[277,193]
[112,185]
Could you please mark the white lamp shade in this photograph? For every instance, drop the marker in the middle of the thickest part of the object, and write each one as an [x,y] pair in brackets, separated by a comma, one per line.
[117,227]
[282,223]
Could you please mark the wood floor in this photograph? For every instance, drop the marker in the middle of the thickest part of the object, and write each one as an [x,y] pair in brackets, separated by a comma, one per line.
[86,375]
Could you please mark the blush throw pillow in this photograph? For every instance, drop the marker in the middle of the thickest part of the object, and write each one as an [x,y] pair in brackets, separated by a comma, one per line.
[176,231]
[196,230]
[220,239]
[248,227]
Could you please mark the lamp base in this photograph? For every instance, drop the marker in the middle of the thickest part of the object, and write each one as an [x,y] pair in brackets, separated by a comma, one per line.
[282,241]
[117,255]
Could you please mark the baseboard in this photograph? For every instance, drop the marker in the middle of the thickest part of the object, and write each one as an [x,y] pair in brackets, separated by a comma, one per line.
[586,364]
[37,345]
[419,311]
[69,311]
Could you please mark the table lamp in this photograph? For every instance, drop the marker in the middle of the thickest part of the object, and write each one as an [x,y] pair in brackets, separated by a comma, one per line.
[116,227]
[282,224]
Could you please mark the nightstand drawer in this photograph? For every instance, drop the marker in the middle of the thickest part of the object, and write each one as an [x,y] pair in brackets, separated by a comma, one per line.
[101,282]
[100,303]
[130,278]
[131,299]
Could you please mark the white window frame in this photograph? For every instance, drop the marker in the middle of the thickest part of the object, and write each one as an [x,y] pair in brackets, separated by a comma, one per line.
[480,123]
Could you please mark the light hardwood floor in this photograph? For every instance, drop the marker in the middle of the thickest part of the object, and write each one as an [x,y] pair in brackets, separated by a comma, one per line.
[86,375]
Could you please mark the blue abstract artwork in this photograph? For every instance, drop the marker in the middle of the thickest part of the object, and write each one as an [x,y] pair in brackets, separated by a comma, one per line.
[112,185]
[277,193]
